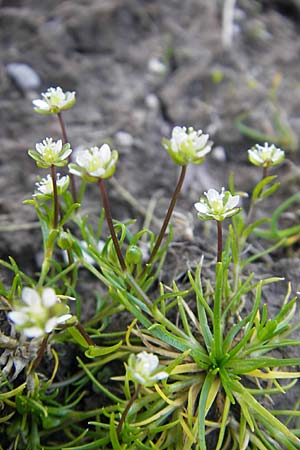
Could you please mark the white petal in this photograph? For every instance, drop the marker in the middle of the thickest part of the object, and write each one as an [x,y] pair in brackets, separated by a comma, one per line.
[31,297]
[49,297]
[213,196]
[204,151]
[33,332]
[18,317]
[202,140]
[255,156]
[51,324]
[97,173]
[233,202]
[105,153]
[63,318]
[139,378]
[159,376]
[201,207]
[41,104]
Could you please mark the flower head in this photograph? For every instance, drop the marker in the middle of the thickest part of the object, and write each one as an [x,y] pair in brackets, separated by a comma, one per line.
[187,146]
[53,101]
[217,206]
[49,152]
[94,163]
[143,368]
[265,155]
[44,187]
[39,312]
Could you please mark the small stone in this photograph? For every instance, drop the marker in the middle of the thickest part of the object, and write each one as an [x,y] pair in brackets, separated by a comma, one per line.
[156,66]
[124,138]
[23,76]
[218,153]
[152,102]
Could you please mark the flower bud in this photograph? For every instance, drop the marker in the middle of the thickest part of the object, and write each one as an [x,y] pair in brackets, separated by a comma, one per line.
[65,240]
[134,254]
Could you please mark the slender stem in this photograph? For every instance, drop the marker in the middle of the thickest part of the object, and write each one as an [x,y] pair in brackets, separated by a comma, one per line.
[219,225]
[65,140]
[129,404]
[168,215]
[86,336]
[110,224]
[265,172]
[40,354]
[55,197]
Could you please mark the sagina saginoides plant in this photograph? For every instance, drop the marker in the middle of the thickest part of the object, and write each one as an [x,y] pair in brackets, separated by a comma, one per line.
[193,369]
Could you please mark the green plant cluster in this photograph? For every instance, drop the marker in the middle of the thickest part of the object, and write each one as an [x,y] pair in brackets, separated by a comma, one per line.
[196,367]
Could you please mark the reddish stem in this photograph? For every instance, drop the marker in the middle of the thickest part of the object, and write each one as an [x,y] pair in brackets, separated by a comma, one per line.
[65,141]
[86,336]
[110,223]
[55,197]
[40,354]
[265,172]
[168,215]
[129,404]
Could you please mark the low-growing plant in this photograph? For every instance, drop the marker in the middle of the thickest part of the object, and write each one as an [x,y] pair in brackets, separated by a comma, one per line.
[195,366]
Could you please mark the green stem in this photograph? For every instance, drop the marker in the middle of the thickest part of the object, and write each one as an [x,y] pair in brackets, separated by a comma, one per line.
[168,216]
[65,141]
[110,224]
[55,197]
[129,404]
[220,239]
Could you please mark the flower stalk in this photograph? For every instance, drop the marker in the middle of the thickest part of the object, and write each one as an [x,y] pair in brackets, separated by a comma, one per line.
[168,215]
[128,406]
[40,354]
[220,239]
[55,197]
[110,223]
[84,334]
[65,140]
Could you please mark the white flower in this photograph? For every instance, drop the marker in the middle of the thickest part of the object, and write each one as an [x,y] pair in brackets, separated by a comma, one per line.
[265,155]
[39,312]
[48,153]
[217,206]
[187,146]
[44,188]
[53,101]
[95,163]
[143,368]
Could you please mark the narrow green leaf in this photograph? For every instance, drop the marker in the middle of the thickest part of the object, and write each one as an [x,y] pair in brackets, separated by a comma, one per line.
[95,351]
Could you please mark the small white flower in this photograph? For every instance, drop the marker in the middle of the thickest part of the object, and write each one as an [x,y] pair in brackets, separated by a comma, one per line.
[44,188]
[39,312]
[53,101]
[217,206]
[143,368]
[95,163]
[48,153]
[265,155]
[187,146]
